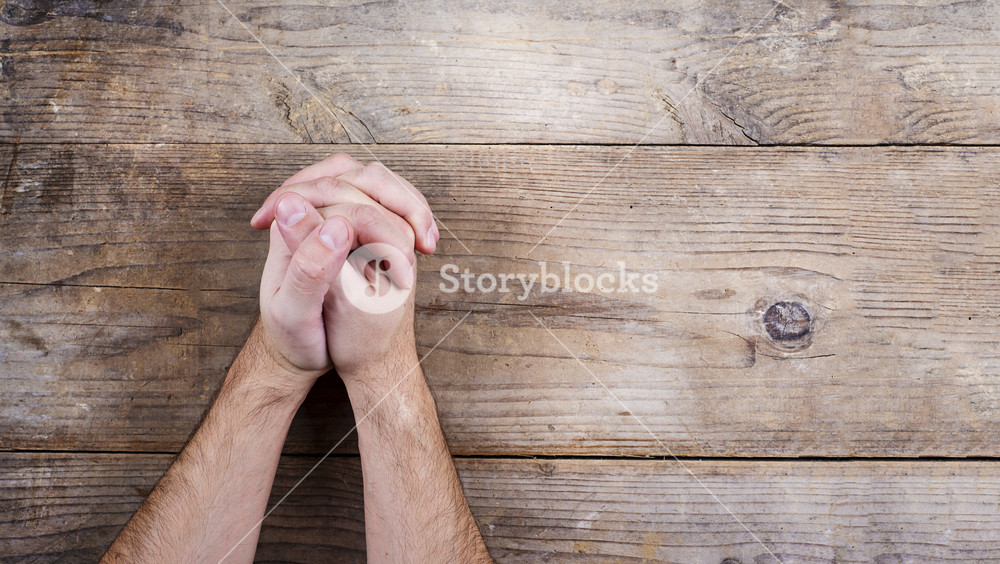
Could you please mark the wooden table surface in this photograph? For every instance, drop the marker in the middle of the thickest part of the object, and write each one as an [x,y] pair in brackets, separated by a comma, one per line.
[814,186]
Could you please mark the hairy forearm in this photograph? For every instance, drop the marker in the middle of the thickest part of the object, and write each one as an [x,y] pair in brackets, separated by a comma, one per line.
[210,502]
[415,510]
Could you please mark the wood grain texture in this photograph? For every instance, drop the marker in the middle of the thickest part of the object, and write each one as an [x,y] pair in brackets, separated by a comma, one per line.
[6,165]
[131,369]
[751,71]
[70,507]
[130,281]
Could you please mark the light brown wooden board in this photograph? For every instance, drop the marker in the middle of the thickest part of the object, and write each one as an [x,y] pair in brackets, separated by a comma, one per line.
[70,507]
[147,273]
[742,72]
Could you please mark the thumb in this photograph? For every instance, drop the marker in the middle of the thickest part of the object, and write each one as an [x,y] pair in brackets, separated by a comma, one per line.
[312,269]
[296,219]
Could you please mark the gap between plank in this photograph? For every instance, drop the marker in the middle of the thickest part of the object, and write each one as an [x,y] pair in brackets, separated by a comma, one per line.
[686,457]
[158,144]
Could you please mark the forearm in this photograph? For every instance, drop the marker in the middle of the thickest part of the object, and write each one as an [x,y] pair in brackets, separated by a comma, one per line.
[214,495]
[415,510]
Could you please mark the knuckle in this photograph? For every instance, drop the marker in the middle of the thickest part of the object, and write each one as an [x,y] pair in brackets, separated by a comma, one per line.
[342,160]
[307,271]
[365,215]
[376,167]
[376,172]
[327,184]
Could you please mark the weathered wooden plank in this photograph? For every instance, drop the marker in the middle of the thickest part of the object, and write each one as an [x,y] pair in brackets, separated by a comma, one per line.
[569,71]
[70,507]
[131,369]
[643,511]
[895,255]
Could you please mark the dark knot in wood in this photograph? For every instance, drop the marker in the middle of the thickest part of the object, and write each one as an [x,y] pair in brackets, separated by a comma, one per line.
[23,12]
[787,321]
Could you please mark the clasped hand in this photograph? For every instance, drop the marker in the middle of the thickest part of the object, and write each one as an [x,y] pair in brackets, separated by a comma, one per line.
[308,322]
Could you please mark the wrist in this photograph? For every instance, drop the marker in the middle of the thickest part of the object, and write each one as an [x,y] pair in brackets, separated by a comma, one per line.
[367,384]
[263,379]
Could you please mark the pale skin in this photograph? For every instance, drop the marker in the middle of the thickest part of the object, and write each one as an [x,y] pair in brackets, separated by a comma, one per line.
[209,505]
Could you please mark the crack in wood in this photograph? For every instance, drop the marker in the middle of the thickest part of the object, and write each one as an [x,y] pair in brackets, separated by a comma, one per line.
[10,173]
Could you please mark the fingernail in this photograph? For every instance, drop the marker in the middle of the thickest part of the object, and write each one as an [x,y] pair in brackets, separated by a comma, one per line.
[334,234]
[434,232]
[290,211]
